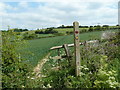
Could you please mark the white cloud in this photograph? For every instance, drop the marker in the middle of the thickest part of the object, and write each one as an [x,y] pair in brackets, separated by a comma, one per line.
[56,13]
[23,4]
[61,0]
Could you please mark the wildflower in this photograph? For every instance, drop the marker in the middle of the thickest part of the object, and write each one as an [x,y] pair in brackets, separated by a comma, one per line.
[86,68]
[49,86]
[112,78]
[23,86]
[44,86]
[81,66]
[53,65]
[110,72]
[32,78]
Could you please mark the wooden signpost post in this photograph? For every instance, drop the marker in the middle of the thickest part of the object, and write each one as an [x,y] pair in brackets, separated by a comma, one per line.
[76,47]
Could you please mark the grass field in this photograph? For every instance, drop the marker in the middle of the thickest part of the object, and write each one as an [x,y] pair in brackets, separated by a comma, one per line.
[63,30]
[45,35]
[38,48]
[60,30]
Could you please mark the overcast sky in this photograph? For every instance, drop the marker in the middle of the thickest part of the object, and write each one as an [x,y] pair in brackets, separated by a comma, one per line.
[34,14]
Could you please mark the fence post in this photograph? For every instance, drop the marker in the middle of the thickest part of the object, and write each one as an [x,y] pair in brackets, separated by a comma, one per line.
[58,55]
[76,48]
[68,54]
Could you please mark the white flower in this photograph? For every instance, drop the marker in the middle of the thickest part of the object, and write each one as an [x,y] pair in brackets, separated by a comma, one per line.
[44,87]
[81,66]
[110,72]
[53,65]
[32,78]
[86,68]
[23,86]
[112,78]
[90,72]
[81,74]
[49,86]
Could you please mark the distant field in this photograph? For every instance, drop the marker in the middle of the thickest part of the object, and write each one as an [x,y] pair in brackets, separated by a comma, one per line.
[45,35]
[63,30]
[60,30]
[38,48]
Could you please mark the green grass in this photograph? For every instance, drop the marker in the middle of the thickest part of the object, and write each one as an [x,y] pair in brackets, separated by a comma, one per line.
[45,35]
[64,30]
[60,30]
[38,48]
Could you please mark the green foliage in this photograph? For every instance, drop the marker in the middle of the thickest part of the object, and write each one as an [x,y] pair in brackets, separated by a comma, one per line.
[99,69]
[69,32]
[29,36]
[106,79]
[98,27]
[91,28]
[19,30]
[59,34]
[15,72]
[47,31]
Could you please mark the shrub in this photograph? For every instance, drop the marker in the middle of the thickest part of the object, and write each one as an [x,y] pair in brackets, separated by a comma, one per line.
[29,36]
[15,72]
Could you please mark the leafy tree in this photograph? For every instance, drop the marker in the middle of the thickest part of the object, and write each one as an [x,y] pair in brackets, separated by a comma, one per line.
[91,28]
[98,27]
[39,32]
[28,36]
[19,30]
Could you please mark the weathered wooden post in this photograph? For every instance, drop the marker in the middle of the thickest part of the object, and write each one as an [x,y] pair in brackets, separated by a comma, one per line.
[68,54]
[58,55]
[77,47]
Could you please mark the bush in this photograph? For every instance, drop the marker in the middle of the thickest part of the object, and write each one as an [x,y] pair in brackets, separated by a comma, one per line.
[14,71]
[47,31]
[50,31]
[91,28]
[29,36]
[69,32]
[39,32]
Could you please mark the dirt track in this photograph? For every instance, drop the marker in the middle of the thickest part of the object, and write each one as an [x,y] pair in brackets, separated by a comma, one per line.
[38,68]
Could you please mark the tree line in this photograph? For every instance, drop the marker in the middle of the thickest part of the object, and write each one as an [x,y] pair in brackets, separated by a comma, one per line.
[47,31]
